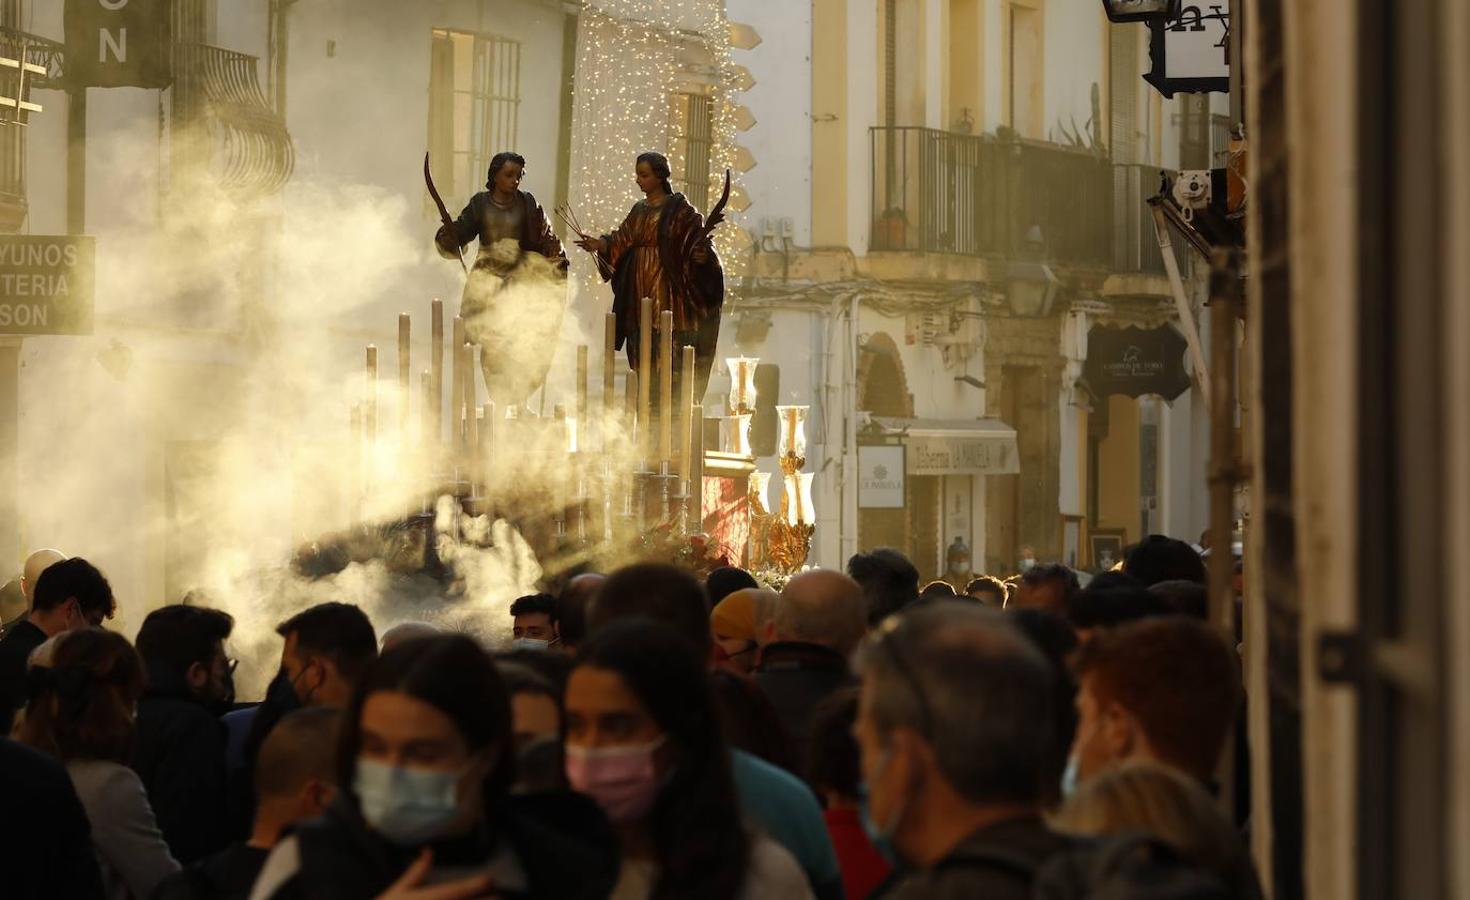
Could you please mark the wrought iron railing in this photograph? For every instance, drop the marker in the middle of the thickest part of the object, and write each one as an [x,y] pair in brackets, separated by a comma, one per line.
[943,192]
[39,51]
[217,93]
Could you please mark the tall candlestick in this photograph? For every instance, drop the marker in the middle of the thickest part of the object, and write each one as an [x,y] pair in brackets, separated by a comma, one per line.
[696,470]
[456,383]
[666,387]
[477,454]
[686,411]
[609,372]
[630,400]
[581,390]
[403,374]
[436,369]
[645,376]
[370,397]
[487,447]
[471,363]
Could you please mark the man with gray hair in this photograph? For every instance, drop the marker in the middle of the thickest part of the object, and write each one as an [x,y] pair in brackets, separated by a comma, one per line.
[819,620]
[953,724]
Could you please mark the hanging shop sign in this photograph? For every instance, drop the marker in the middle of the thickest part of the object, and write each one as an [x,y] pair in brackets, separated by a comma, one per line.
[118,43]
[1133,362]
[962,454]
[955,446]
[1191,52]
[46,284]
[880,476]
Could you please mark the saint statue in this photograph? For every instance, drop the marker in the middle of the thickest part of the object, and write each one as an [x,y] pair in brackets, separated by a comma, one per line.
[662,250]
[515,295]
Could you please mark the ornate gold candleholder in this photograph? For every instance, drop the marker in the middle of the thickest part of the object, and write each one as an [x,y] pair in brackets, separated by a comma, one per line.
[789,534]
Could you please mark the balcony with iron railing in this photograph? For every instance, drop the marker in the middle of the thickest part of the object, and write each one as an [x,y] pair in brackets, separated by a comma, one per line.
[982,195]
[223,119]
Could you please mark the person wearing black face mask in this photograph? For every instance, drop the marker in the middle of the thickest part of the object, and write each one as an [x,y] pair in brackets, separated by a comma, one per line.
[327,648]
[180,752]
[68,594]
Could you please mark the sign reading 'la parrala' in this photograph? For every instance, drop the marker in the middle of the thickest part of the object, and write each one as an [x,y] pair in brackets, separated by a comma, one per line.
[46,284]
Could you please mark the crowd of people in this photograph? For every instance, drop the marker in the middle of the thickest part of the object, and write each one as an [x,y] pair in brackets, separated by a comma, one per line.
[645,734]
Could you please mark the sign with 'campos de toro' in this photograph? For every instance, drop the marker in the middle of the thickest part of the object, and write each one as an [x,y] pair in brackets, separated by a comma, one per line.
[46,284]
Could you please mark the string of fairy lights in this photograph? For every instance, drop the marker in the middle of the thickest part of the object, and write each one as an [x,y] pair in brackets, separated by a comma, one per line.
[633,58]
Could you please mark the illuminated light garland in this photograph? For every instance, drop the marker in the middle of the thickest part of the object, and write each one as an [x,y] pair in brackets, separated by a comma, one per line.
[633,56]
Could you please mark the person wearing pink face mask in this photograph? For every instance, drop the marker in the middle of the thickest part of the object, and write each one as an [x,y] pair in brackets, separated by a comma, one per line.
[643,739]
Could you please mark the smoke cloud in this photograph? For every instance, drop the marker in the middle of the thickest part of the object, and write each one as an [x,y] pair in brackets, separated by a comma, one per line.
[202,437]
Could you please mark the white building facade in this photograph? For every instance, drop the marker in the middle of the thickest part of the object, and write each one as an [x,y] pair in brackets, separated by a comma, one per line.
[949,142]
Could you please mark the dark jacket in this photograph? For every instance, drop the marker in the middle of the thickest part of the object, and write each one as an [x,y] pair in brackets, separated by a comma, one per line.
[965,874]
[228,875]
[562,842]
[47,850]
[180,756]
[796,677]
[536,233]
[20,640]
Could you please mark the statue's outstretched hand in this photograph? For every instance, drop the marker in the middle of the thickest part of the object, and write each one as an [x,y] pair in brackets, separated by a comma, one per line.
[591,244]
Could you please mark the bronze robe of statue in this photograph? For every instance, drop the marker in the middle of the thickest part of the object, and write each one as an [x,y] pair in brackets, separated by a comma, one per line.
[652,255]
[515,297]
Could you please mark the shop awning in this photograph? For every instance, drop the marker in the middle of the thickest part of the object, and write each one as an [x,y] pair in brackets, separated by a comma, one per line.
[956,446]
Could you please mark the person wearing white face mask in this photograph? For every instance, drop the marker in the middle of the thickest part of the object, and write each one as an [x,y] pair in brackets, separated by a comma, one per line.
[426,761]
[534,625]
[643,740]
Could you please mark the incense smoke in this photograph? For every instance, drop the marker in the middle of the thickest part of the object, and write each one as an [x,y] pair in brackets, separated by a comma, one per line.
[201,437]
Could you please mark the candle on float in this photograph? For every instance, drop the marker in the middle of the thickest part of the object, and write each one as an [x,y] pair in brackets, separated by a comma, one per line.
[436,368]
[471,365]
[696,468]
[630,401]
[666,387]
[404,387]
[686,412]
[370,396]
[487,442]
[456,383]
[609,371]
[645,375]
[581,388]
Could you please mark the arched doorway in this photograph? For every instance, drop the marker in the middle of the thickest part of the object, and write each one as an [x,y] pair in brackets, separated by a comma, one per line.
[883,390]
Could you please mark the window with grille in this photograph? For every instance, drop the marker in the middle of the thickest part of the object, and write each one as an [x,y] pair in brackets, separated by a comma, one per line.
[689,148]
[1123,78]
[474,107]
